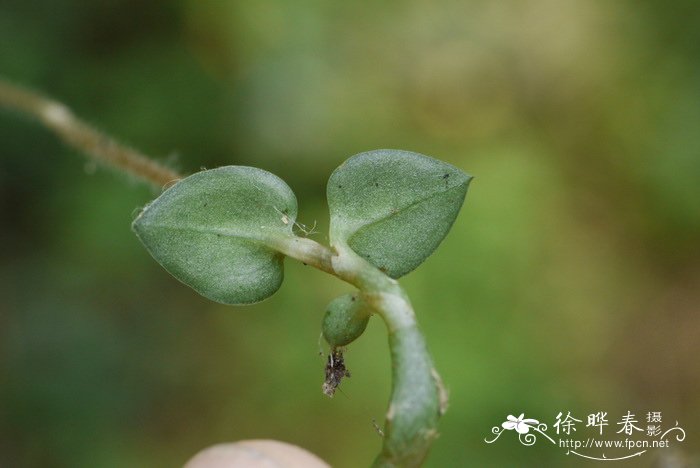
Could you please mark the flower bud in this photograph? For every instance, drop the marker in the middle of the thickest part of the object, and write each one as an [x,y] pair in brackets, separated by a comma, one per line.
[345,320]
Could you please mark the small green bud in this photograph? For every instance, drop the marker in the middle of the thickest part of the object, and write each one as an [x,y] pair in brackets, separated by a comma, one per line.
[345,320]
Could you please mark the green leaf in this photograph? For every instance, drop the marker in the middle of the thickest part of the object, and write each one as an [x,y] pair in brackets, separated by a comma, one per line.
[394,207]
[214,230]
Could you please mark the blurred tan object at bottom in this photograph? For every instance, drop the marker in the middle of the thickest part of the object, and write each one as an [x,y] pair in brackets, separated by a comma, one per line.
[255,454]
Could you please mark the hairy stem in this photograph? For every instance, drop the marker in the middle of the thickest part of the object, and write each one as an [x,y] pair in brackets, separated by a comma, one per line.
[83,137]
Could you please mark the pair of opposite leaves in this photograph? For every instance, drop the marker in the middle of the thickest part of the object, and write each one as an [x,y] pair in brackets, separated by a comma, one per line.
[216,230]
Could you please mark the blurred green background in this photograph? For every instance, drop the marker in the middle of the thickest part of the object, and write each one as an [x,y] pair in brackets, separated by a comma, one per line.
[570,281]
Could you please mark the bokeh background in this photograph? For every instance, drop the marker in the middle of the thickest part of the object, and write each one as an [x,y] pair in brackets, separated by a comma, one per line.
[570,281]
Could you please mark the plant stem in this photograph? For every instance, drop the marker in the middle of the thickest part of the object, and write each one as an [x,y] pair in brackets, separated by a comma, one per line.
[305,250]
[417,398]
[415,405]
[83,137]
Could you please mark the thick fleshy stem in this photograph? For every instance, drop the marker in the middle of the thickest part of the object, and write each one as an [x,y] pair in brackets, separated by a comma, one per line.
[81,136]
[418,398]
[414,408]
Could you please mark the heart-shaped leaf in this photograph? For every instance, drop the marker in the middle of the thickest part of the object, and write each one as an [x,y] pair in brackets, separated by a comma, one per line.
[394,207]
[213,231]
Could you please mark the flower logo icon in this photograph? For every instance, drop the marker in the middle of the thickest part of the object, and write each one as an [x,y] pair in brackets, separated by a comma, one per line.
[522,426]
